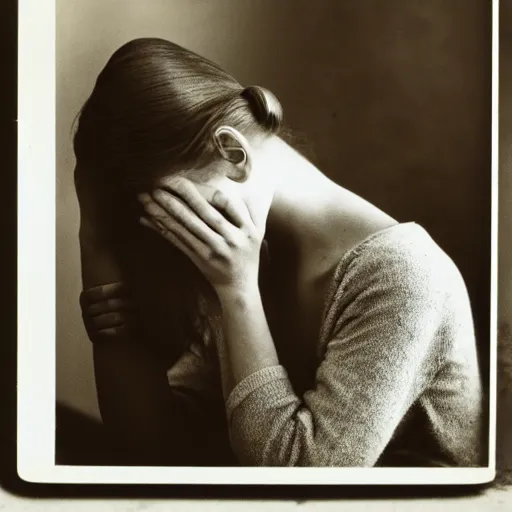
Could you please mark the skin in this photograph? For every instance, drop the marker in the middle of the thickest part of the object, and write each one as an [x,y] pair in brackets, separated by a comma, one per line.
[272,192]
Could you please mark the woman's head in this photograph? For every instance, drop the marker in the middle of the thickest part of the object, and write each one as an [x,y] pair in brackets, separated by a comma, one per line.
[156,109]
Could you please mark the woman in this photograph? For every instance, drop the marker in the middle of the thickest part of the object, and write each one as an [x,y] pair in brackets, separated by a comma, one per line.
[245,309]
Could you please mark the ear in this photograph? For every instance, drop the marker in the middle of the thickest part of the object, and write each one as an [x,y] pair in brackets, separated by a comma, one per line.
[236,149]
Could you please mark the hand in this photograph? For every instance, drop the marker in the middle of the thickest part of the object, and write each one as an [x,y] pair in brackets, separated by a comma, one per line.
[226,251]
[106,311]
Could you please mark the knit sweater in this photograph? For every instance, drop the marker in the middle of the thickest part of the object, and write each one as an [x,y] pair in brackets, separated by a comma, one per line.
[397,380]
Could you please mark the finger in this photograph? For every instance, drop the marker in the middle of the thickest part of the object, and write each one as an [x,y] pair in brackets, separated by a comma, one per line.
[107,306]
[158,227]
[236,210]
[109,333]
[162,230]
[120,330]
[188,218]
[106,321]
[198,203]
[154,225]
[103,292]
[173,230]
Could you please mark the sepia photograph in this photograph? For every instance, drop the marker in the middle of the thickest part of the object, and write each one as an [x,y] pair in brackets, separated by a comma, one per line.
[274,243]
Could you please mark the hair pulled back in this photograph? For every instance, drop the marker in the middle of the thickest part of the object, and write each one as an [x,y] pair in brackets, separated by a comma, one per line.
[155,107]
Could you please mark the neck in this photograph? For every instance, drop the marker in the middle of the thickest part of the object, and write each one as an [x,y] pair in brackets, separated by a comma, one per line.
[310,214]
[304,198]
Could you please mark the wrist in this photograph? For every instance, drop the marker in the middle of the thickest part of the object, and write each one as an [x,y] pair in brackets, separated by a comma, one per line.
[242,296]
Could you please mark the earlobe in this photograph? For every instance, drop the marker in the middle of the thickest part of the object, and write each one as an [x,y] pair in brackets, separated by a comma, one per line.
[234,148]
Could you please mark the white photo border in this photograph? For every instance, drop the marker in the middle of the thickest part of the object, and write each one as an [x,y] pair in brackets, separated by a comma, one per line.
[36,301]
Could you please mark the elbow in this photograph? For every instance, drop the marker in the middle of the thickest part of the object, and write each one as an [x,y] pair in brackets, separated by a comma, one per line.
[290,444]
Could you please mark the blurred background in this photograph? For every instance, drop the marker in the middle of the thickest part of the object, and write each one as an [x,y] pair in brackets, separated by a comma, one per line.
[393,97]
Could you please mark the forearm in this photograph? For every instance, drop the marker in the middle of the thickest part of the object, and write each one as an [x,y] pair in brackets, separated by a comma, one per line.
[98,266]
[150,422]
[247,346]
[251,366]
[146,418]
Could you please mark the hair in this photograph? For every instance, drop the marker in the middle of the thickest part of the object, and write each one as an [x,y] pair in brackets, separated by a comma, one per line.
[153,110]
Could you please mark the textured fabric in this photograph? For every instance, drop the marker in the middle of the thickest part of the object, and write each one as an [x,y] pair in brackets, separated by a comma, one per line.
[397,376]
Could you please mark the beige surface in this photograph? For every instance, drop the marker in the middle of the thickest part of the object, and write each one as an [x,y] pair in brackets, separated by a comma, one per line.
[492,500]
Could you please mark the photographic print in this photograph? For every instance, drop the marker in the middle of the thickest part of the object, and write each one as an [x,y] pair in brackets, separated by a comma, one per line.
[273,244]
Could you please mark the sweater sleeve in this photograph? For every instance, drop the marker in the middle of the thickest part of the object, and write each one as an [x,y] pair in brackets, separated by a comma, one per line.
[386,312]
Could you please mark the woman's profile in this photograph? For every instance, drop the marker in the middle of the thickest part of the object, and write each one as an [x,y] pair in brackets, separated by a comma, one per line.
[245,309]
